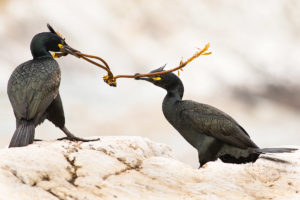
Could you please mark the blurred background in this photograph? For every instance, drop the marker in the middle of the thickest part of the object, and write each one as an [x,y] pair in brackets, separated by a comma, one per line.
[253,73]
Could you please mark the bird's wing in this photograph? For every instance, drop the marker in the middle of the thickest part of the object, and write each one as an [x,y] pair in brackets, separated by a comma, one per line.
[212,122]
[30,96]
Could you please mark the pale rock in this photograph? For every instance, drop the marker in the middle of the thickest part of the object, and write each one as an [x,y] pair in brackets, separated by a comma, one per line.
[136,168]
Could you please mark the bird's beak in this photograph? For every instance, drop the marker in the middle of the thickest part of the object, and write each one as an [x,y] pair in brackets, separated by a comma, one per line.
[143,78]
[66,49]
[70,50]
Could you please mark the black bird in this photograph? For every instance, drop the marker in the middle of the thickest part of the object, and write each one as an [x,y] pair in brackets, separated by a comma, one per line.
[33,89]
[212,132]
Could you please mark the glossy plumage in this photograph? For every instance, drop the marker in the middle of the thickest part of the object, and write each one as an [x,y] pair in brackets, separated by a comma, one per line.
[212,132]
[32,87]
[33,90]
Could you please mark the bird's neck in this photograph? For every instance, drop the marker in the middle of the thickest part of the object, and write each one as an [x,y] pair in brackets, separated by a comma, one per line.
[41,54]
[175,91]
[170,103]
[174,94]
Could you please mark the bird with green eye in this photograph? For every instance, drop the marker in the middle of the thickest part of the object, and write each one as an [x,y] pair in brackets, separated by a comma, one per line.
[212,132]
[33,89]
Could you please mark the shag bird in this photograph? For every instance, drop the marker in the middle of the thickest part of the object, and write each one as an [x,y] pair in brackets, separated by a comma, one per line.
[212,132]
[33,89]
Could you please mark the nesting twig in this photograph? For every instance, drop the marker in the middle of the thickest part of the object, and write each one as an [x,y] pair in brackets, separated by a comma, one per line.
[111,80]
[86,57]
[108,79]
[181,65]
[105,67]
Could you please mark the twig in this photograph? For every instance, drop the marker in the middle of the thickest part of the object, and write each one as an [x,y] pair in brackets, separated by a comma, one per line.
[106,67]
[181,65]
[112,80]
[95,57]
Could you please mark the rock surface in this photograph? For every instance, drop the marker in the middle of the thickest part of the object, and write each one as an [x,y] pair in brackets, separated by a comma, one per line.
[136,168]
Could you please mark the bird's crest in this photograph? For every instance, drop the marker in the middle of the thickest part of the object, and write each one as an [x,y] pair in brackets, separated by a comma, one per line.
[51,29]
[160,69]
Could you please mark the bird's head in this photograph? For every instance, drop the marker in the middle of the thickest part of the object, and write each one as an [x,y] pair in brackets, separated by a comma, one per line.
[166,81]
[44,42]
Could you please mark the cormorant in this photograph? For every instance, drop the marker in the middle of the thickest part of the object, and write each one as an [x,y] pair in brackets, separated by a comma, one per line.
[33,89]
[212,132]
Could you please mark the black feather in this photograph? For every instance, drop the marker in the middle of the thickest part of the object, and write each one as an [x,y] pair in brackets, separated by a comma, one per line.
[276,150]
[211,131]
[51,29]
[160,69]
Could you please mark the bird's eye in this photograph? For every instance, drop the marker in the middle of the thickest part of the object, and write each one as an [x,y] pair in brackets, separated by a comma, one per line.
[156,78]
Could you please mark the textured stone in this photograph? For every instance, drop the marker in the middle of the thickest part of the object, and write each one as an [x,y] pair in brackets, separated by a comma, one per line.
[136,168]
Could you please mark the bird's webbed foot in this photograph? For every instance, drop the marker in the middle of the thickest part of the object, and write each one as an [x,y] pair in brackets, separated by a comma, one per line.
[72,137]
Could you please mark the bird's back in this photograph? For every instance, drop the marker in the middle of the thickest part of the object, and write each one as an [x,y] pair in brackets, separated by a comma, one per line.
[32,87]
[194,120]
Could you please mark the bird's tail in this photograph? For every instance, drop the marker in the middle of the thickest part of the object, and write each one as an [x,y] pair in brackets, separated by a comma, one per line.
[278,160]
[24,135]
[276,150]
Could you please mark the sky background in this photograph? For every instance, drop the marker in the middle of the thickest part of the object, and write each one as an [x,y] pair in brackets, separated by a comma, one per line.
[253,73]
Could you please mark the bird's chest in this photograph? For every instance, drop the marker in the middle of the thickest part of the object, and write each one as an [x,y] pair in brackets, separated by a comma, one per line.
[173,113]
[44,70]
[36,72]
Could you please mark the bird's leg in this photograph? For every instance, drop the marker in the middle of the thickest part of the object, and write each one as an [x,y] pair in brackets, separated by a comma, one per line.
[37,140]
[72,137]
